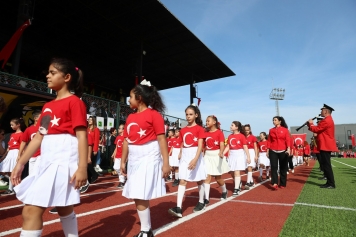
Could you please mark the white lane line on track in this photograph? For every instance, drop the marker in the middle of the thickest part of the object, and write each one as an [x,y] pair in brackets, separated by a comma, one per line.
[265,203]
[12,231]
[10,207]
[344,163]
[324,206]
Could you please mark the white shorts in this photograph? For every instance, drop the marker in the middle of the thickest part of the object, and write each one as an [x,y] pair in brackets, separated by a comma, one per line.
[144,172]
[237,160]
[214,164]
[196,174]
[173,159]
[50,185]
[252,158]
[9,163]
[263,159]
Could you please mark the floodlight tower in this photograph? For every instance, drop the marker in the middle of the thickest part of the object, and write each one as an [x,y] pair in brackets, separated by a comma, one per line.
[277,94]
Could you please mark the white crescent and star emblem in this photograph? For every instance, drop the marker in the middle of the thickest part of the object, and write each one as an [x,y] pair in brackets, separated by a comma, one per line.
[206,141]
[47,109]
[216,143]
[188,145]
[298,138]
[55,121]
[128,132]
[33,135]
[231,142]
[169,143]
[262,148]
[118,143]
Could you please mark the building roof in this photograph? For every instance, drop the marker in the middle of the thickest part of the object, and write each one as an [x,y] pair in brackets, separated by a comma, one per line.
[106,39]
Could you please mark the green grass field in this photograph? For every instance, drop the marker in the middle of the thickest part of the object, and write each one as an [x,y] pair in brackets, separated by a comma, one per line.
[336,213]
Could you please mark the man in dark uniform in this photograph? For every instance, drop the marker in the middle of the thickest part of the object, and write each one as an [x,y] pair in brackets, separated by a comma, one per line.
[326,139]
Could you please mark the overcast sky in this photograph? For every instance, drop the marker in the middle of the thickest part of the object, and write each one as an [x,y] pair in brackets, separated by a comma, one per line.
[306,47]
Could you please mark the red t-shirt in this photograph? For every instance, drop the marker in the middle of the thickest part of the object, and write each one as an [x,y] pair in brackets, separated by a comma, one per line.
[278,139]
[62,116]
[262,146]
[176,143]
[90,140]
[307,150]
[170,142]
[143,127]
[251,141]
[190,136]
[236,141]
[94,137]
[15,141]
[213,139]
[27,136]
[118,142]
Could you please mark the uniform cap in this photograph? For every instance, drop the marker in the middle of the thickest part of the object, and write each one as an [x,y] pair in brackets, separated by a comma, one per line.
[327,107]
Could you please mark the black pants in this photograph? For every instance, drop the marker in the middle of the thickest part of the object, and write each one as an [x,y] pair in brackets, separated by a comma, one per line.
[328,170]
[91,171]
[318,157]
[282,157]
[290,162]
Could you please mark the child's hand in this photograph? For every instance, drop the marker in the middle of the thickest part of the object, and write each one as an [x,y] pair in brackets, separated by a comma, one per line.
[192,164]
[221,155]
[123,169]
[166,170]
[79,177]
[16,174]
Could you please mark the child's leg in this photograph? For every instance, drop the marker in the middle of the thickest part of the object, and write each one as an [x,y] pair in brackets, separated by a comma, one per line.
[68,220]
[249,175]
[201,191]
[237,178]
[221,183]
[181,190]
[176,173]
[32,221]
[143,210]
[207,187]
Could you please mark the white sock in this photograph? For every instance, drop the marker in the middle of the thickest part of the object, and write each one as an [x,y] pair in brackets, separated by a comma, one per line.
[201,193]
[11,187]
[261,171]
[249,177]
[69,225]
[31,233]
[170,175]
[267,171]
[207,190]
[145,219]
[180,195]
[176,175]
[237,182]
[223,188]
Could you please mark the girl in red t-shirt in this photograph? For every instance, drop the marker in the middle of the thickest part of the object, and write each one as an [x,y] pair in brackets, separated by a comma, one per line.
[262,155]
[62,135]
[170,140]
[239,156]
[144,147]
[306,152]
[215,162]
[252,149]
[174,152]
[192,165]
[9,161]
[118,154]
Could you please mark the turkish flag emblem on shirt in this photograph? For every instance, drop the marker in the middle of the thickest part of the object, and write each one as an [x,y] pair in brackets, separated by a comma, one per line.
[298,139]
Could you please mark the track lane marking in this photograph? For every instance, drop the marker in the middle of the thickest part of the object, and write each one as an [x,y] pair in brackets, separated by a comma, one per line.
[344,163]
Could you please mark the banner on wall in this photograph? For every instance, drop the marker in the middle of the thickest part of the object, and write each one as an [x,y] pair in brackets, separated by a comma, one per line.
[100,123]
[298,139]
[110,123]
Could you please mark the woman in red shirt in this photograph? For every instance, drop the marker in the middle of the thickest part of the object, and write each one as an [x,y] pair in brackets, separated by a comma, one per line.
[278,144]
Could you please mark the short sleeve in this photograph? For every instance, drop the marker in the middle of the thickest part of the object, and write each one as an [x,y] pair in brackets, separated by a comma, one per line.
[244,140]
[78,114]
[116,139]
[201,133]
[24,136]
[158,123]
[221,137]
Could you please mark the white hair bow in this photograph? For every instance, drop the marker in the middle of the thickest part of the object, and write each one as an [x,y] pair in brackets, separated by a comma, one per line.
[194,105]
[145,83]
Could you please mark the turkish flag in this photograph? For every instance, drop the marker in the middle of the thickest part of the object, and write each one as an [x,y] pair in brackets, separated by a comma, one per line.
[10,46]
[353,140]
[298,139]
[199,100]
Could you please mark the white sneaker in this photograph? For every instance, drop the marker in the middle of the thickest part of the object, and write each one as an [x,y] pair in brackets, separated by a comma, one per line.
[293,171]
[98,169]
[3,183]
[287,172]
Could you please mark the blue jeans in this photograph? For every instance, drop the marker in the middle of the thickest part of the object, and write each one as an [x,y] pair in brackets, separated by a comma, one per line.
[98,157]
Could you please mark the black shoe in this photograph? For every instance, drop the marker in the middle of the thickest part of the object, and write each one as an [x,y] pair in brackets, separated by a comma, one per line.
[199,207]
[206,202]
[322,178]
[84,188]
[168,178]
[93,179]
[175,183]
[223,196]
[53,211]
[175,211]
[100,174]
[236,192]
[148,233]
[267,177]
[120,185]
[327,186]
[8,192]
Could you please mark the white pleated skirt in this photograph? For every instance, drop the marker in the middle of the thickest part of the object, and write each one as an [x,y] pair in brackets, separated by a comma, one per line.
[214,164]
[9,163]
[33,165]
[144,172]
[198,173]
[263,159]
[173,159]
[252,158]
[49,186]
[117,163]
[237,160]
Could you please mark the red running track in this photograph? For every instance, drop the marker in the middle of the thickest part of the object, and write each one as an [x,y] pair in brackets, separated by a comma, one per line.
[104,212]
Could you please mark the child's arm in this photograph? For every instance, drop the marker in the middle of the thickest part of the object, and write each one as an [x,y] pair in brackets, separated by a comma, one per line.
[161,138]
[26,155]
[21,149]
[114,153]
[193,162]
[256,151]
[227,148]
[247,154]
[125,151]
[222,148]
[80,176]
[90,150]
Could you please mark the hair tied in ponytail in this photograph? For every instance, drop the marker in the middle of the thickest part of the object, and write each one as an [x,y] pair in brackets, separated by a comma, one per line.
[146,83]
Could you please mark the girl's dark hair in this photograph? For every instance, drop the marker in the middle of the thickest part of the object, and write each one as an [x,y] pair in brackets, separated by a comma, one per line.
[238,125]
[197,111]
[264,134]
[172,130]
[217,124]
[94,122]
[21,122]
[36,113]
[283,122]
[149,96]
[112,130]
[247,126]
[66,66]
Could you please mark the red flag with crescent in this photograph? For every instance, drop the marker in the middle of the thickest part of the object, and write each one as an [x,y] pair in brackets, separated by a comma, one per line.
[6,52]
[298,139]
[353,140]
